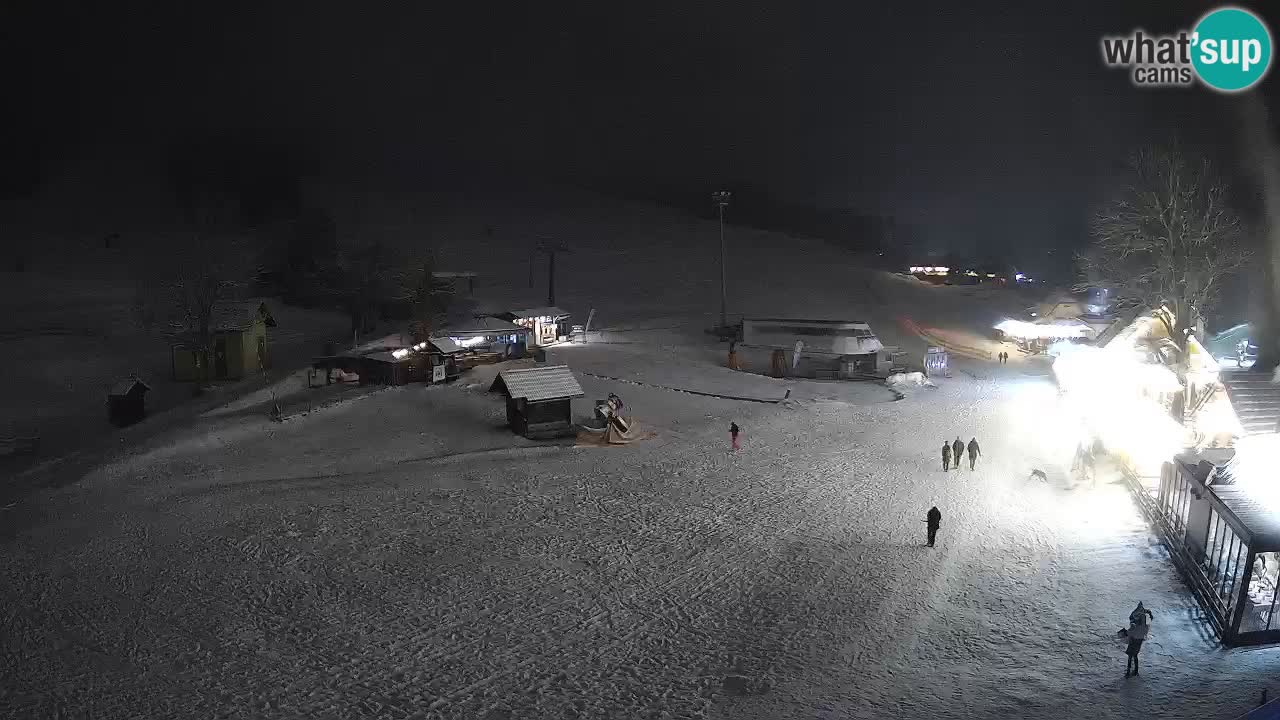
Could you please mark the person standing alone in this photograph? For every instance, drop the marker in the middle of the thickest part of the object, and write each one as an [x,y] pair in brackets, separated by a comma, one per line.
[974,452]
[733,435]
[946,456]
[957,451]
[933,519]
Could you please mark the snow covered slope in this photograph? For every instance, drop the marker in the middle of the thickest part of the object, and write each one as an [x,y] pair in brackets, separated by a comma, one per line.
[353,563]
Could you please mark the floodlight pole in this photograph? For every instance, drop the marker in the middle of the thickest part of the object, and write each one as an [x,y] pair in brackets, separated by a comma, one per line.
[721,199]
[551,248]
[551,278]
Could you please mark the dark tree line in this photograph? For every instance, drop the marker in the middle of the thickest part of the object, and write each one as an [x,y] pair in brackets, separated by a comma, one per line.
[246,230]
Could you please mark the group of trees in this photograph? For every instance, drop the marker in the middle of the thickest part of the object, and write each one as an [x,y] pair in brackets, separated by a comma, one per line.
[246,224]
[219,259]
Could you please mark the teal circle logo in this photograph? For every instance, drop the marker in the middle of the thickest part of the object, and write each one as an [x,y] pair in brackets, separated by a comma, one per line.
[1231,49]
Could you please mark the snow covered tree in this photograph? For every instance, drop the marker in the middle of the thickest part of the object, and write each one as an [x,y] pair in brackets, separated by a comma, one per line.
[1169,239]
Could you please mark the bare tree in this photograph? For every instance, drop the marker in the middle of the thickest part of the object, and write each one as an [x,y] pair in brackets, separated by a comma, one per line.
[428,295]
[181,283]
[1168,239]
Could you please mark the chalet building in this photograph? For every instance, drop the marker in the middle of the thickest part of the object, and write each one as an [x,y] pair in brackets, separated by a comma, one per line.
[239,346]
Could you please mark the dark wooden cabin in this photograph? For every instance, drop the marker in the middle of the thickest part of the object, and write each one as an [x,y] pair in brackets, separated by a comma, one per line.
[126,401]
[539,400]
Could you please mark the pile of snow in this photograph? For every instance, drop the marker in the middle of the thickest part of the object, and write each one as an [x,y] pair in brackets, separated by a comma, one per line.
[912,378]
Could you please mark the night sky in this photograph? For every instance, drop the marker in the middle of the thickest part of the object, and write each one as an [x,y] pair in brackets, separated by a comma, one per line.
[993,129]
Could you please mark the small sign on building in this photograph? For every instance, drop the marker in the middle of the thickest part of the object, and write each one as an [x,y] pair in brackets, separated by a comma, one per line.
[935,363]
[437,374]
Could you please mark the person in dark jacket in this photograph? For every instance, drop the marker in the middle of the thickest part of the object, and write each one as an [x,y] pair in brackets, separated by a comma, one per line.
[933,519]
[957,451]
[733,435]
[946,456]
[974,452]
[1139,627]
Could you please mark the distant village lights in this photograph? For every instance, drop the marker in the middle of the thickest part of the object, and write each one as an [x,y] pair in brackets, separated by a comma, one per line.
[930,270]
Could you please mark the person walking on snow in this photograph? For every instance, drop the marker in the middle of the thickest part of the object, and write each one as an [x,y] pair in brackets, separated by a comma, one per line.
[933,519]
[733,436]
[1137,633]
[957,451]
[946,456]
[974,452]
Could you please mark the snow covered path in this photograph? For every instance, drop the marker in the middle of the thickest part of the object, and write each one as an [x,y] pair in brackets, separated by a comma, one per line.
[786,580]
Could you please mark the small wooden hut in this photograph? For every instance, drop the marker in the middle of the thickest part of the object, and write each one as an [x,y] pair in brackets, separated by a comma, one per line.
[539,400]
[126,401]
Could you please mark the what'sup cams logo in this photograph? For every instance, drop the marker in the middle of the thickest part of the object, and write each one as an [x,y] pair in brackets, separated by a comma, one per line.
[1229,50]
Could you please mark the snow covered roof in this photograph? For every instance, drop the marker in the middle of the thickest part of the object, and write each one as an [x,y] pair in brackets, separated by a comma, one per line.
[445,345]
[537,384]
[395,341]
[482,326]
[1253,513]
[535,312]
[383,356]
[1238,479]
[124,387]
[233,316]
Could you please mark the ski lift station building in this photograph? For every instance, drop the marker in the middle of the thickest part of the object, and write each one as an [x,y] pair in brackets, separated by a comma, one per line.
[828,349]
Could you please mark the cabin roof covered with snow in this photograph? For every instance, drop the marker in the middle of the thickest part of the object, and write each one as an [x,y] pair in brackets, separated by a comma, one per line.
[124,387]
[243,315]
[387,343]
[385,357]
[536,312]
[482,326]
[445,345]
[538,384]
[1250,515]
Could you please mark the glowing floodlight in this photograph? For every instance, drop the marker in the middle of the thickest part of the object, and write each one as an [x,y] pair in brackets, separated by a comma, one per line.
[1023,330]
